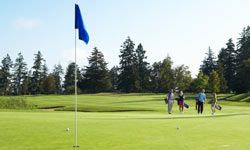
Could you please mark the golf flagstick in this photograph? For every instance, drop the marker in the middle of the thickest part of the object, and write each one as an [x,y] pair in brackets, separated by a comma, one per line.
[76,127]
[83,35]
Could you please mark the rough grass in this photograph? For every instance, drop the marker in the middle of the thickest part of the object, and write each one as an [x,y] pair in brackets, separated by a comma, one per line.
[15,103]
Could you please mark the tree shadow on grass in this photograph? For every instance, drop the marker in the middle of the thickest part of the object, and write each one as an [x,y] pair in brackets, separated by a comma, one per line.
[103,109]
[199,116]
[140,101]
[121,110]
[50,107]
[171,117]
[149,100]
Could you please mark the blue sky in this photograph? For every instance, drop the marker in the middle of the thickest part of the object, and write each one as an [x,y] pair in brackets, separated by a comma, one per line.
[181,28]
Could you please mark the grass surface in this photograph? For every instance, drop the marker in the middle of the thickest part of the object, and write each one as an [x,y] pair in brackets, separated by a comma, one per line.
[124,122]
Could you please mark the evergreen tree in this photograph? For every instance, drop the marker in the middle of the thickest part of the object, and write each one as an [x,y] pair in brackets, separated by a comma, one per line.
[20,72]
[37,74]
[69,79]
[44,76]
[223,81]
[214,82]
[208,63]
[227,58]
[143,71]
[114,77]
[27,84]
[57,73]
[166,81]
[242,83]
[5,76]
[50,84]
[97,75]
[155,77]
[128,77]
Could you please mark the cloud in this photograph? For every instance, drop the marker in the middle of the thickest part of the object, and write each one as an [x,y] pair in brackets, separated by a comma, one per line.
[24,23]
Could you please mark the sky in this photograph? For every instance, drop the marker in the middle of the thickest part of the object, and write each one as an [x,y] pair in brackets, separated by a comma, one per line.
[182,29]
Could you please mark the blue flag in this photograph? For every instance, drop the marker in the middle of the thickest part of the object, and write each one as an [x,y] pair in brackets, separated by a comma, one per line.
[83,34]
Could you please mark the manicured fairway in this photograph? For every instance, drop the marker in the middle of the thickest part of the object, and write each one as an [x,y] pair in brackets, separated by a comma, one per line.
[121,129]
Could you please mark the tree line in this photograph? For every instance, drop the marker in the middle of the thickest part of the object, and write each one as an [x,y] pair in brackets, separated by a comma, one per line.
[228,72]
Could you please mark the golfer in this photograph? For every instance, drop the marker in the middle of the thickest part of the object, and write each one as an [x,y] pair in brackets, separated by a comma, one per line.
[201,100]
[181,101]
[170,100]
[213,103]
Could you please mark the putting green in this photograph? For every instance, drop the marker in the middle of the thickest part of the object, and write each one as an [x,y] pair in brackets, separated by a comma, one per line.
[128,130]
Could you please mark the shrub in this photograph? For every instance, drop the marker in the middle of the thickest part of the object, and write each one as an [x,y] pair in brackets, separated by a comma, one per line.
[15,103]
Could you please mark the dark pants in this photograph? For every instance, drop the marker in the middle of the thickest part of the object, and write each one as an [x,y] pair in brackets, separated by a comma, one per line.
[200,107]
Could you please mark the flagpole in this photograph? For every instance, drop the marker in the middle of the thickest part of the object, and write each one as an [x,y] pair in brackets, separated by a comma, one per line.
[76,127]
[76,130]
[83,35]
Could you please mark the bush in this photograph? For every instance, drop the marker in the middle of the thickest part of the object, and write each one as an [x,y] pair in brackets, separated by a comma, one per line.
[15,103]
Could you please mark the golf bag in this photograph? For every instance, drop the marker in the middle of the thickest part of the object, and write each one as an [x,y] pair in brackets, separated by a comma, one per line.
[217,106]
[210,102]
[166,101]
[186,105]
